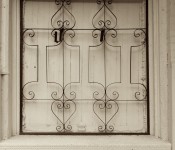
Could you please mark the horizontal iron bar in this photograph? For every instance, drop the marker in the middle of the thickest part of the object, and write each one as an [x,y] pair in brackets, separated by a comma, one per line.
[82,29]
[79,100]
[80,133]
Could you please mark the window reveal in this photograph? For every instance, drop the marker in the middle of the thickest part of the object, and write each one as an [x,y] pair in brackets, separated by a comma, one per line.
[84,69]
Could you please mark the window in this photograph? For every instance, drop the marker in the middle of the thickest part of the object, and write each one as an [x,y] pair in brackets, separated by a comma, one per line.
[84,67]
[159,112]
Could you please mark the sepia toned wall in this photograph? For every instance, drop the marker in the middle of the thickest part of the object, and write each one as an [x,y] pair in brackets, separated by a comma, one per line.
[0,75]
[171,71]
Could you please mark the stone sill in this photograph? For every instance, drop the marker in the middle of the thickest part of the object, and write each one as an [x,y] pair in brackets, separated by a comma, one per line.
[113,142]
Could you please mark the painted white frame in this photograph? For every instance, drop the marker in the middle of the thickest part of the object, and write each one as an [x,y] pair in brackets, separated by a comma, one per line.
[159,48]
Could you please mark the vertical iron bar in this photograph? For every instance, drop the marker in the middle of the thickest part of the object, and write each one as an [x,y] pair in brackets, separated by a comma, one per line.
[21,63]
[147,66]
[105,65]
[63,72]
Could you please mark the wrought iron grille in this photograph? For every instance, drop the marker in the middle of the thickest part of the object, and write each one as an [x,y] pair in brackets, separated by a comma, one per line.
[82,72]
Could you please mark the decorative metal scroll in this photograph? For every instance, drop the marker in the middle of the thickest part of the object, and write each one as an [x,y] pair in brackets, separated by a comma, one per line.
[63,98]
[104,101]
[105,98]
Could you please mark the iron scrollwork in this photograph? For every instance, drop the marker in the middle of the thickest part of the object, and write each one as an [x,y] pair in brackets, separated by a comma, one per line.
[105,98]
[62,24]
[142,94]
[102,99]
[63,99]
[64,103]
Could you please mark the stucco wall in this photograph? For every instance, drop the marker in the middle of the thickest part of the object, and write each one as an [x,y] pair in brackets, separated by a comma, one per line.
[171,71]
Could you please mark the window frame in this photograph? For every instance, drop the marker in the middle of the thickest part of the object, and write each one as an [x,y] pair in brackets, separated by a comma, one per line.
[21,132]
[158,50]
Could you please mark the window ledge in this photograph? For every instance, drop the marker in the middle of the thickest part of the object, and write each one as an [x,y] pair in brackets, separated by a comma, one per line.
[119,142]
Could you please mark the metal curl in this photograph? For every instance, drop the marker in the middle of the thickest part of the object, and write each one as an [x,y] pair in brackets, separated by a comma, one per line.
[72,35]
[52,33]
[115,94]
[72,93]
[95,35]
[108,105]
[59,128]
[60,23]
[136,33]
[113,35]
[107,23]
[66,23]
[60,105]
[109,2]
[138,93]
[99,2]
[66,106]
[101,23]
[54,95]
[32,94]
[32,34]
[139,33]
[102,106]
[110,128]
[68,2]
[101,128]
[68,128]
[57,2]
[96,93]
